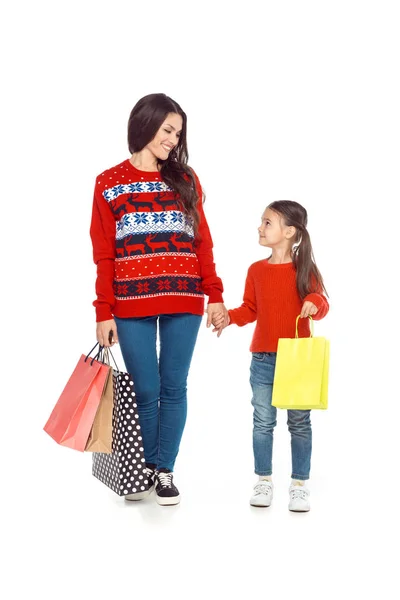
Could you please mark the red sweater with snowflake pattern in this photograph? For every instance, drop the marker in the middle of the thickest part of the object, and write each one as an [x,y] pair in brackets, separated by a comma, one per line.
[148,259]
[271,298]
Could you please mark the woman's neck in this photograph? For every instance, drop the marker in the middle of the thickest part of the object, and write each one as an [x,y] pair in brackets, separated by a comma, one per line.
[144,160]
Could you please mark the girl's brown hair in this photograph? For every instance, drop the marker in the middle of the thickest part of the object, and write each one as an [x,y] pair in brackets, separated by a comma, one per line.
[145,120]
[308,277]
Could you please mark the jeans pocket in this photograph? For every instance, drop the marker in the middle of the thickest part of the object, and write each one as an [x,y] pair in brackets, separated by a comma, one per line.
[258,355]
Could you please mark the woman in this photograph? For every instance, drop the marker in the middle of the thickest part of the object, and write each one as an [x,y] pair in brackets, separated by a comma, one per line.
[153,251]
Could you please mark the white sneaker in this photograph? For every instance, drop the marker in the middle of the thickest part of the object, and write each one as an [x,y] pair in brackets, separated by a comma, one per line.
[299,498]
[262,493]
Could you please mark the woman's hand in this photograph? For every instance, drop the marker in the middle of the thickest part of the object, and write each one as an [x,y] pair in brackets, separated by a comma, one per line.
[308,310]
[106,331]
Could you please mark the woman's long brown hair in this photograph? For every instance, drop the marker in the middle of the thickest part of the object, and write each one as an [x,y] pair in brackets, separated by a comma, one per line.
[145,120]
[308,276]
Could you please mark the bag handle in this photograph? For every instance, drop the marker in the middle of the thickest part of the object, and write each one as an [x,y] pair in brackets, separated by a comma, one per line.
[106,357]
[102,356]
[312,327]
[95,346]
[96,355]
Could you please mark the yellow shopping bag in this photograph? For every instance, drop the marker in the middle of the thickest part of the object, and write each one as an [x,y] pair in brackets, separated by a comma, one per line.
[301,372]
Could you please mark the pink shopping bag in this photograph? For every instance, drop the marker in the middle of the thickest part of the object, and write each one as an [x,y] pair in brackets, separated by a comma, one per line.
[73,415]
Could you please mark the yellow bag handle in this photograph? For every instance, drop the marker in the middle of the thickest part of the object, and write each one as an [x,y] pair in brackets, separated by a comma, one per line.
[312,326]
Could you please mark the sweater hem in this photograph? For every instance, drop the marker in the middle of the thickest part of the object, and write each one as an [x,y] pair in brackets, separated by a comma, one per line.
[264,348]
[149,307]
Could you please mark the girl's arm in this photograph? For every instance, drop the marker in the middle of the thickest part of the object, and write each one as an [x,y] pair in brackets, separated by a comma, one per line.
[320,302]
[247,312]
[102,232]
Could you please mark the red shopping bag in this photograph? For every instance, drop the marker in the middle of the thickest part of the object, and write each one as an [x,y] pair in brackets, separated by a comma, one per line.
[72,417]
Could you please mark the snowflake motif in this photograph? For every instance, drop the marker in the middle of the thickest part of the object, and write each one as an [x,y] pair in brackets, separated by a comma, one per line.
[164,284]
[198,286]
[182,284]
[125,220]
[154,186]
[109,195]
[176,217]
[118,190]
[120,225]
[122,290]
[141,218]
[159,217]
[142,288]
[136,187]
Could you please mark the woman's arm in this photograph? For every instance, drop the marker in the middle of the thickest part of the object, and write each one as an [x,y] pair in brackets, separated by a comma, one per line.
[102,233]
[211,283]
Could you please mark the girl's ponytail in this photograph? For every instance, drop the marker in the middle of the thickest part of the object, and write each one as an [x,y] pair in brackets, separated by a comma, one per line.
[308,277]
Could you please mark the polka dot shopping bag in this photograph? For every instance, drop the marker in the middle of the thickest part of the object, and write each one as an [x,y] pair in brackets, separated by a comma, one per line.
[123,470]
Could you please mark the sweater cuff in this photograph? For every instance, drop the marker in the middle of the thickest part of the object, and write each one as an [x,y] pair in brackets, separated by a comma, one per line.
[215,297]
[103,313]
[316,299]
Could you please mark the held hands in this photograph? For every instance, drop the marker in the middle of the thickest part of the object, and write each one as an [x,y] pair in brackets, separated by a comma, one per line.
[106,333]
[220,324]
[217,316]
[308,310]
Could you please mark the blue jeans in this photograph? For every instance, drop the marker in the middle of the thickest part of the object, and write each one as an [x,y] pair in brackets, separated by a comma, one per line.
[160,382]
[262,372]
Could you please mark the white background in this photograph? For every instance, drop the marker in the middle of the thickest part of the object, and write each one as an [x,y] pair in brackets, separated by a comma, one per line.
[285,100]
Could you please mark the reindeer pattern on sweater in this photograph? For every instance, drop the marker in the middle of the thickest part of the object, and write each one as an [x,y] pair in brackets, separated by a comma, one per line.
[154,250]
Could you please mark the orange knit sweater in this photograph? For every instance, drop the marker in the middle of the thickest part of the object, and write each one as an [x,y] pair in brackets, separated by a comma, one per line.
[271,298]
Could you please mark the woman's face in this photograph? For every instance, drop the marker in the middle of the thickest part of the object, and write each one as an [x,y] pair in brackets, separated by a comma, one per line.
[167,137]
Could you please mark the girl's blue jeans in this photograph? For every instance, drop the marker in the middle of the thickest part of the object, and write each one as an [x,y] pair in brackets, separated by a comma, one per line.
[262,372]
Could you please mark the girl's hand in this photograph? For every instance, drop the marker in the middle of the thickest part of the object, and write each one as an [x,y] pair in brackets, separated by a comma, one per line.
[214,310]
[220,323]
[218,320]
[308,310]
[106,331]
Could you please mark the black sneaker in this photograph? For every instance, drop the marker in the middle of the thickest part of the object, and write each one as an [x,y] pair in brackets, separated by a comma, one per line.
[166,492]
[150,472]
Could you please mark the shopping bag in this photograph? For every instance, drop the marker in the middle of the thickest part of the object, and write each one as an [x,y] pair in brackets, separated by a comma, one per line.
[301,372]
[72,417]
[123,470]
[100,437]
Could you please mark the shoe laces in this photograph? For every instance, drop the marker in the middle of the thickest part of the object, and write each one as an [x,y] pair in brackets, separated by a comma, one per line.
[263,487]
[298,492]
[149,472]
[165,479]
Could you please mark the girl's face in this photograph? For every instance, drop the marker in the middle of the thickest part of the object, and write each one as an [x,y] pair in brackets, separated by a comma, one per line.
[167,137]
[273,232]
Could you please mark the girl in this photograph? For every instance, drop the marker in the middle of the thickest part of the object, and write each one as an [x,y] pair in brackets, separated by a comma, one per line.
[153,251]
[277,290]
